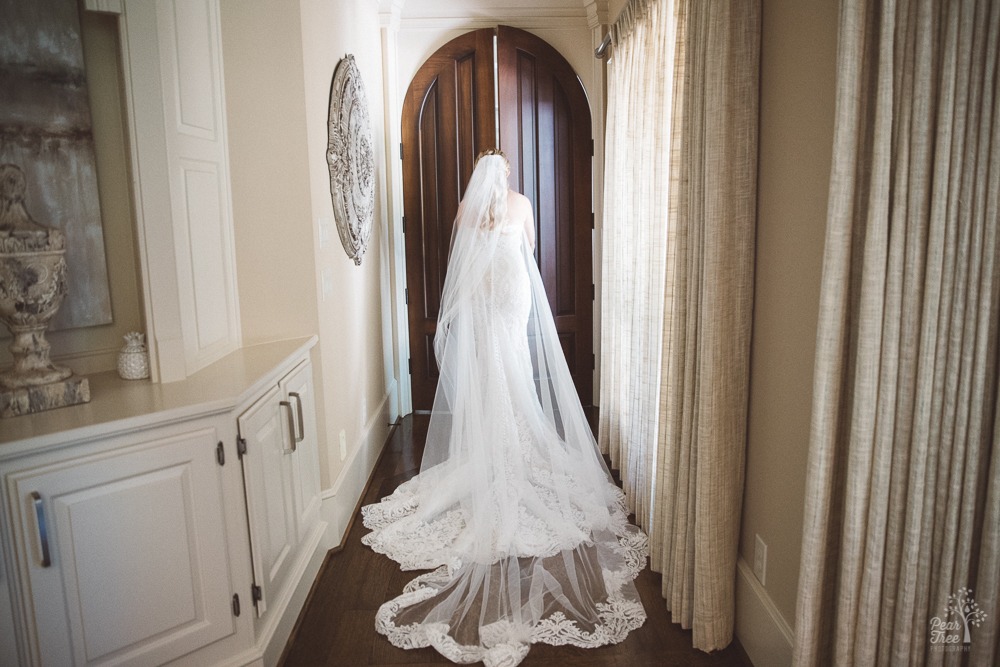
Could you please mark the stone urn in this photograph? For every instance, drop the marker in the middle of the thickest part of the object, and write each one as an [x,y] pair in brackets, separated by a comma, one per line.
[32,287]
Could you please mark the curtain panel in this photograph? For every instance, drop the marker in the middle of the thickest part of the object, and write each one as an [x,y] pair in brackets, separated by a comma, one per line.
[678,239]
[901,543]
[634,242]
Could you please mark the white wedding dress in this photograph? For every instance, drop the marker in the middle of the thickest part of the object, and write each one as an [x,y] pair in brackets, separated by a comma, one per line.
[513,510]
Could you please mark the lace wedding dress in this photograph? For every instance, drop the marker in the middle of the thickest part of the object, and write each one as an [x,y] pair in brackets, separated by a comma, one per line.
[513,509]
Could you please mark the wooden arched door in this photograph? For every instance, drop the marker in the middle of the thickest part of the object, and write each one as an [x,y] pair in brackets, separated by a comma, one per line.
[543,117]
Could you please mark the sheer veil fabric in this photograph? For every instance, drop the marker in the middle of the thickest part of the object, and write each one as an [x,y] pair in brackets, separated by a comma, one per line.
[513,511]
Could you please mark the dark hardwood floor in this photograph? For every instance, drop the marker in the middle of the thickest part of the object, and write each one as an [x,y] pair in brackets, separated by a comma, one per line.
[337,624]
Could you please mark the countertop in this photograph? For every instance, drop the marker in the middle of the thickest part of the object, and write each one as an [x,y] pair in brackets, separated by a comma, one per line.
[118,405]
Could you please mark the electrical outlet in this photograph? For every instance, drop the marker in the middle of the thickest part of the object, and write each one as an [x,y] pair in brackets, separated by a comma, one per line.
[760,559]
[343,444]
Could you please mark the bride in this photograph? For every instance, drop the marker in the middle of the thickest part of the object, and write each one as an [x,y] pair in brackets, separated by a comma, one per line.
[513,509]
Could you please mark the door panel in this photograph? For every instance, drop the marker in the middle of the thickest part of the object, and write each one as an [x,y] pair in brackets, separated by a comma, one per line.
[448,118]
[544,124]
[298,387]
[139,572]
[545,132]
[267,476]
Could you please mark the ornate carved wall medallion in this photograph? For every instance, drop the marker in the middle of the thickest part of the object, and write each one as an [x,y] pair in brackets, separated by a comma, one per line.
[350,155]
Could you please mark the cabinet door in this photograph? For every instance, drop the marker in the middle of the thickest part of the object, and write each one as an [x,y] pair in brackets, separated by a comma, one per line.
[297,387]
[267,475]
[123,555]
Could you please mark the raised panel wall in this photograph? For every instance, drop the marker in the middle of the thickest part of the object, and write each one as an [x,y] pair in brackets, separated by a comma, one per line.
[206,242]
[172,54]
[197,98]
[198,156]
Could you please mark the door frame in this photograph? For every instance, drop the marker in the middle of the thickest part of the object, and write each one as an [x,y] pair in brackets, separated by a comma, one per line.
[434,33]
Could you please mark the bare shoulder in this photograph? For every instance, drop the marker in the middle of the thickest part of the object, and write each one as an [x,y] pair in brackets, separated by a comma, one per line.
[518,204]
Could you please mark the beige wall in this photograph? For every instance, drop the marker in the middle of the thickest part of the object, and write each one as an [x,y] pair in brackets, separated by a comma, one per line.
[279,63]
[93,349]
[350,319]
[615,8]
[269,167]
[798,54]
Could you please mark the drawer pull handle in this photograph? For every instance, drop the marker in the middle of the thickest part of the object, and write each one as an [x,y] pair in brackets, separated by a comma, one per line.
[301,433]
[291,423]
[43,532]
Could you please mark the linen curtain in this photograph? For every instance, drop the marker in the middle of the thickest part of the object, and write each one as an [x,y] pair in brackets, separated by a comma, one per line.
[634,241]
[902,517]
[678,239]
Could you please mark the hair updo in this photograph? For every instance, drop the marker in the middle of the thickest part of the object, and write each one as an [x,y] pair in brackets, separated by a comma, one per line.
[498,200]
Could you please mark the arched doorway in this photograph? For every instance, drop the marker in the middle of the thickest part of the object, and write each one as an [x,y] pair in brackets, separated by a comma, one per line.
[450,114]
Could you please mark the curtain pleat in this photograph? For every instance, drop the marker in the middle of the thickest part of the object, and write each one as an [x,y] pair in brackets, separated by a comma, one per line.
[902,481]
[680,210]
[707,329]
[634,244]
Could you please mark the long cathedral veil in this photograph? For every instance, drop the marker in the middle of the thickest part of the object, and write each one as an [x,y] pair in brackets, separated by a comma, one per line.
[513,509]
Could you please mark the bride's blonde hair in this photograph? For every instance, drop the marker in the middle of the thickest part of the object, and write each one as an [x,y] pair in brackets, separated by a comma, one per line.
[497,210]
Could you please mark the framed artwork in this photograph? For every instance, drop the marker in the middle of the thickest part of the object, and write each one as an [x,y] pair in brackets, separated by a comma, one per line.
[45,130]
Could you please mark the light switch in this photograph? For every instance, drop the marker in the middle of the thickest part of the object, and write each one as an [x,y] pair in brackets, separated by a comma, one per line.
[327,282]
[325,230]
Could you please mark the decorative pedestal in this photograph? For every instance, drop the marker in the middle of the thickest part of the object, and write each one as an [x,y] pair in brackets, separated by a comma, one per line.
[25,400]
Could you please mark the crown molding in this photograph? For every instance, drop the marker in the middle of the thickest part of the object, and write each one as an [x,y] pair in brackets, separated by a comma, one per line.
[549,22]
[106,6]
[389,13]
[597,13]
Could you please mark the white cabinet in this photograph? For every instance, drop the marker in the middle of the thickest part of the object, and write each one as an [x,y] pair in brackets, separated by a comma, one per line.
[279,454]
[297,386]
[123,554]
[267,472]
[141,539]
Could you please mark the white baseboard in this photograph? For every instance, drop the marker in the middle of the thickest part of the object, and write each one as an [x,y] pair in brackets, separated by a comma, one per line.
[340,500]
[764,633]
